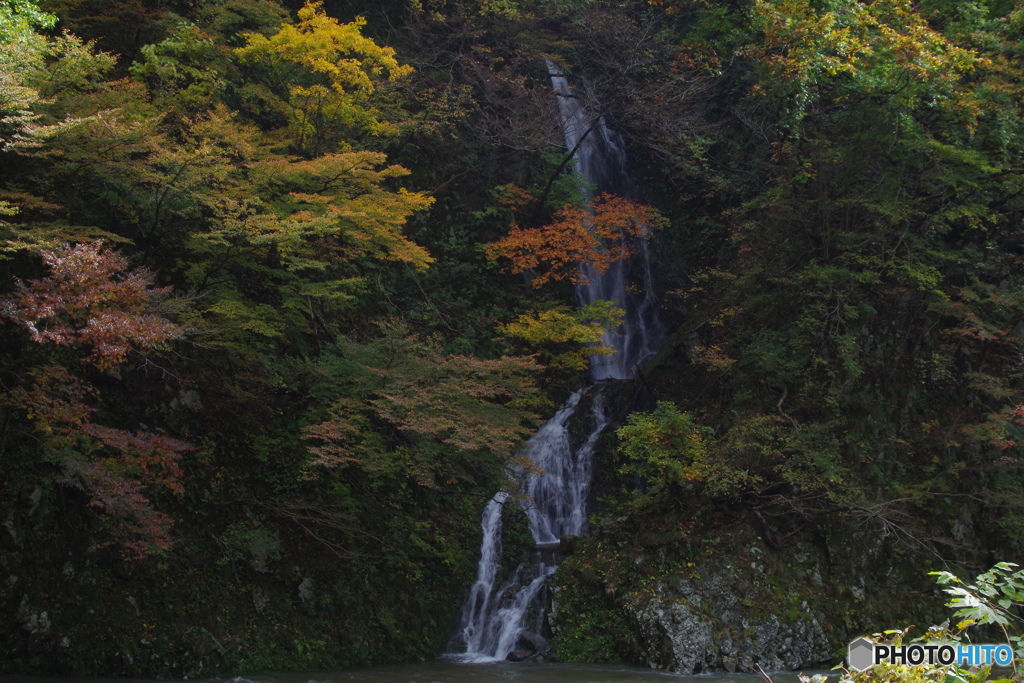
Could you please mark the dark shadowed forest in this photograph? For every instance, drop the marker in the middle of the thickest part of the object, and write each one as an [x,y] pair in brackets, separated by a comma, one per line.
[284,289]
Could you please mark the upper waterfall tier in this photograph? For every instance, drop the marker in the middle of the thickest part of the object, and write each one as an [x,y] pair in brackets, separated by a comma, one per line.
[600,158]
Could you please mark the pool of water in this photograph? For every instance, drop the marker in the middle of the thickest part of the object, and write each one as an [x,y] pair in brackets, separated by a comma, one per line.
[448,671]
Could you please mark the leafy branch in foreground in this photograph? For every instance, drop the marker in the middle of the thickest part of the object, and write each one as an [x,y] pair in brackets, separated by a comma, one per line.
[989,600]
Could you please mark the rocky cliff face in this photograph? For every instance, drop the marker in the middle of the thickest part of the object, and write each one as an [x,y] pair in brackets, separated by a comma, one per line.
[688,628]
[696,591]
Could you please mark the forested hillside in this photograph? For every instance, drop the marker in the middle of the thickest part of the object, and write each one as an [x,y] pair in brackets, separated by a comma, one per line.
[284,287]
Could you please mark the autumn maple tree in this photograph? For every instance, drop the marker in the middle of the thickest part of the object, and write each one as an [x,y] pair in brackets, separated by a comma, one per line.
[475,411]
[323,75]
[91,301]
[567,339]
[595,236]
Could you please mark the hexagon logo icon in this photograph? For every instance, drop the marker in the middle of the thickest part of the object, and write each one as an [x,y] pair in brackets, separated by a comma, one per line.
[860,654]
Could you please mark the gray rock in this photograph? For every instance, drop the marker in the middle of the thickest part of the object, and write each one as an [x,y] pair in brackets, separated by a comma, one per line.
[528,640]
[306,591]
[260,600]
[688,629]
[32,622]
[10,536]
[680,638]
[34,498]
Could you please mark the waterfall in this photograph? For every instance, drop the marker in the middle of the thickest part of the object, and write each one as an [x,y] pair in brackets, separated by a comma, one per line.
[601,161]
[504,618]
[496,614]
[557,498]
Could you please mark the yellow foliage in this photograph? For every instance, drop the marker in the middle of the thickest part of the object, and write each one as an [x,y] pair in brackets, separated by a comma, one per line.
[882,45]
[330,72]
[582,331]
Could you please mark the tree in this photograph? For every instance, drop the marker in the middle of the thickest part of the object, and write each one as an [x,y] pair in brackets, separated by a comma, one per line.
[43,82]
[455,417]
[567,339]
[91,301]
[18,19]
[596,236]
[35,74]
[184,72]
[668,448]
[322,77]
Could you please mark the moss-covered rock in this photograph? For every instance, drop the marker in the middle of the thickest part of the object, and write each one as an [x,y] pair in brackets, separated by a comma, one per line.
[707,591]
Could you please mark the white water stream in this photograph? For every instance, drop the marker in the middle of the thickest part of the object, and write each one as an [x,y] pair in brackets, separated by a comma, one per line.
[601,161]
[506,616]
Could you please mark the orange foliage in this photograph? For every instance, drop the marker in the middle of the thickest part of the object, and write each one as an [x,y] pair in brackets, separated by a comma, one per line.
[450,413]
[598,236]
[457,401]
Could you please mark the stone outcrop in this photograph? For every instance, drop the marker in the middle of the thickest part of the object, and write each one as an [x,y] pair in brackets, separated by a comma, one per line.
[689,629]
[658,594]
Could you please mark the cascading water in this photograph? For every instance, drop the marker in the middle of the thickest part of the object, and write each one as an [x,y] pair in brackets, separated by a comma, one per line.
[601,161]
[500,617]
[495,616]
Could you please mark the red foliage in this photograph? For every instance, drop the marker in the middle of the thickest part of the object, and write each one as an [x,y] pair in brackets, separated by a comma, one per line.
[91,298]
[113,466]
[139,528]
[145,456]
[1000,425]
[598,236]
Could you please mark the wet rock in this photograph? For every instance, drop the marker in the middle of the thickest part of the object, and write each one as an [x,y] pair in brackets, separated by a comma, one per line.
[203,643]
[519,655]
[554,609]
[33,499]
[689,628]
[194,671]
[530,641]
[260,600]
[567,545]
[9,536]
[683,639]
[963,527]
[188,399]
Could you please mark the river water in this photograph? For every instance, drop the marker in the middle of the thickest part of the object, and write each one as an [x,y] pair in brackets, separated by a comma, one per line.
[447,671]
